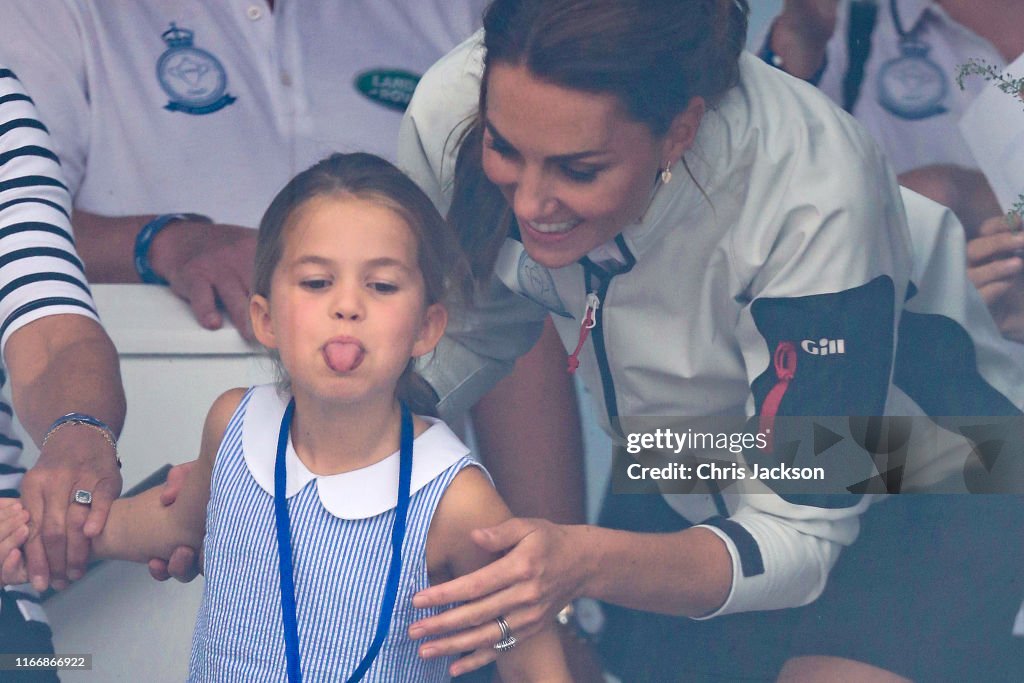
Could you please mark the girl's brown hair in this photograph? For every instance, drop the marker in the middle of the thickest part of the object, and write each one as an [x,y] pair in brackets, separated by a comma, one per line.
[652,55]
[370,178]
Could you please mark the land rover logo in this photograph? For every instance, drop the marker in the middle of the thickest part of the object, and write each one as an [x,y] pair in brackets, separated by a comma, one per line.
[391,88]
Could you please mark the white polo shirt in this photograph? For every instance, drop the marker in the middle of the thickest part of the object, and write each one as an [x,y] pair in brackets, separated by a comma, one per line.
[211,106]
[890,84]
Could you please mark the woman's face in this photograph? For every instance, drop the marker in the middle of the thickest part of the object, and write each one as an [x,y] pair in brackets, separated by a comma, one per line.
[574,167]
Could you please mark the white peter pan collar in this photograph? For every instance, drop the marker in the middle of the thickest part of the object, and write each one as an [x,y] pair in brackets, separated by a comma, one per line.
[358,494]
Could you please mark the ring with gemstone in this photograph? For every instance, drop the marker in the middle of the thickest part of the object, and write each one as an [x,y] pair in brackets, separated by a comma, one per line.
[508,641]
[83,497]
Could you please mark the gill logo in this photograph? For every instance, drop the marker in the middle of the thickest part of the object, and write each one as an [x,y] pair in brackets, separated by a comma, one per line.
[824,347]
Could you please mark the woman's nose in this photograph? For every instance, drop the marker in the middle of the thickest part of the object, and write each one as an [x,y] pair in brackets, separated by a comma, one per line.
[533,199]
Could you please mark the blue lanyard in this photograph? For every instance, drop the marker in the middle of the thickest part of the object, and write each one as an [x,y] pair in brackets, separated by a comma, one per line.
[284,546]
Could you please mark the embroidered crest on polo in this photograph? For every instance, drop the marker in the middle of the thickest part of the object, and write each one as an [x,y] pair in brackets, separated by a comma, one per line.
[193,78]
[912,86]
[391,88]
[536,283]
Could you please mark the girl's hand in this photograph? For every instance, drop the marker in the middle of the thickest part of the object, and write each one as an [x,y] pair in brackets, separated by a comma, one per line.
[543,570]
[13,533]
[183,564]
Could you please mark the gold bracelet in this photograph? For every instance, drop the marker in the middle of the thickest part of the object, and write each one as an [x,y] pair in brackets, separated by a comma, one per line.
[70,420]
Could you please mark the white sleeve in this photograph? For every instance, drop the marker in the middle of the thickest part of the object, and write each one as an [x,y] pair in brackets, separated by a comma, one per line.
[481,342]
[827,271]
[782,552]
[41,41]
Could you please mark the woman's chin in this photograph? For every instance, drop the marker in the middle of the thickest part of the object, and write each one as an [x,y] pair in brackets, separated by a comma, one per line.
[553,249]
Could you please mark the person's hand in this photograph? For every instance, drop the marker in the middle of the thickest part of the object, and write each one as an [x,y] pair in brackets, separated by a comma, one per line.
[542,572]
[964,190]
[13,533]
[801,33]
[813,20]
[75,457]
[206,264]
[994,259]
[183,564]
[996,267]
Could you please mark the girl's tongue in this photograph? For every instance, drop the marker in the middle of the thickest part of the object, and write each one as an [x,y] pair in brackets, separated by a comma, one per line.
[343,356]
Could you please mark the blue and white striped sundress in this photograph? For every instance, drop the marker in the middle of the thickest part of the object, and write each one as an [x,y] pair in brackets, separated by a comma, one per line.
[341,531]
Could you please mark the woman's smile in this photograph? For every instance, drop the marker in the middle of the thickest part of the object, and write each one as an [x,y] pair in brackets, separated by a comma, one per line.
[573,166]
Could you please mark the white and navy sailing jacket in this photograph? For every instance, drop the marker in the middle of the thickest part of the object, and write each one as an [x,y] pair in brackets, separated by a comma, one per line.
[790,239]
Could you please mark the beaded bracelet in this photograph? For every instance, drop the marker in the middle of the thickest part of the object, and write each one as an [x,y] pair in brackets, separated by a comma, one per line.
[88,421]
[144,240]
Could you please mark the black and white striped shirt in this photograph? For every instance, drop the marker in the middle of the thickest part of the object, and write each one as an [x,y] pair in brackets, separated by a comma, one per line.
[40,273]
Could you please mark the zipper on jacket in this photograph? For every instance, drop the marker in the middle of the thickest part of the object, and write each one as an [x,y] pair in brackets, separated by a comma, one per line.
[602,277]
[600,352]
[784,360]
[587,324]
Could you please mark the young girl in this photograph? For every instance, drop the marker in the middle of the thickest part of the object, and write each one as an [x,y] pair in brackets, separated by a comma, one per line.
[328,505]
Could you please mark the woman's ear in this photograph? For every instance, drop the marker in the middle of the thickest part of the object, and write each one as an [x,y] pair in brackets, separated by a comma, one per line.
[682,131]
[434,321]
[262,325]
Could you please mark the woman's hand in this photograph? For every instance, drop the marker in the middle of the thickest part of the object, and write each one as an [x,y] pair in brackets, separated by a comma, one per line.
[57,550]
[544,569]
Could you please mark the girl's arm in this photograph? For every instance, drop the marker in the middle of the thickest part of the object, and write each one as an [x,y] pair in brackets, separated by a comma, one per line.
[141,527]
[471,502]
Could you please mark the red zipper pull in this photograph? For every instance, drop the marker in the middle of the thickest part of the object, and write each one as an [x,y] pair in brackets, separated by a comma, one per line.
[589,320]
[785,370]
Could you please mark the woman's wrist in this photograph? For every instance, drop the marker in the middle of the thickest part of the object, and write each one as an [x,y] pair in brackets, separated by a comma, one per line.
[686,573]
[87,421]
[587,539]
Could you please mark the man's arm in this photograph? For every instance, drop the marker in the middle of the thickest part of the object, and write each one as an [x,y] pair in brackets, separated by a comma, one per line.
[204,263]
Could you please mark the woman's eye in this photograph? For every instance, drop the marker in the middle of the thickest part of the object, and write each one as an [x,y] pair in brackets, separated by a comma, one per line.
[315,283]
[384,287]
[503,149]
[579,175]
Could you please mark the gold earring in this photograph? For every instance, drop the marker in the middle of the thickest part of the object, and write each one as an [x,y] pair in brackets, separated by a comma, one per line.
[666,174]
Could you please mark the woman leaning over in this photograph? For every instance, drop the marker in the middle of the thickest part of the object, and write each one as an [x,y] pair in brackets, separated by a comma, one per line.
[624,158]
